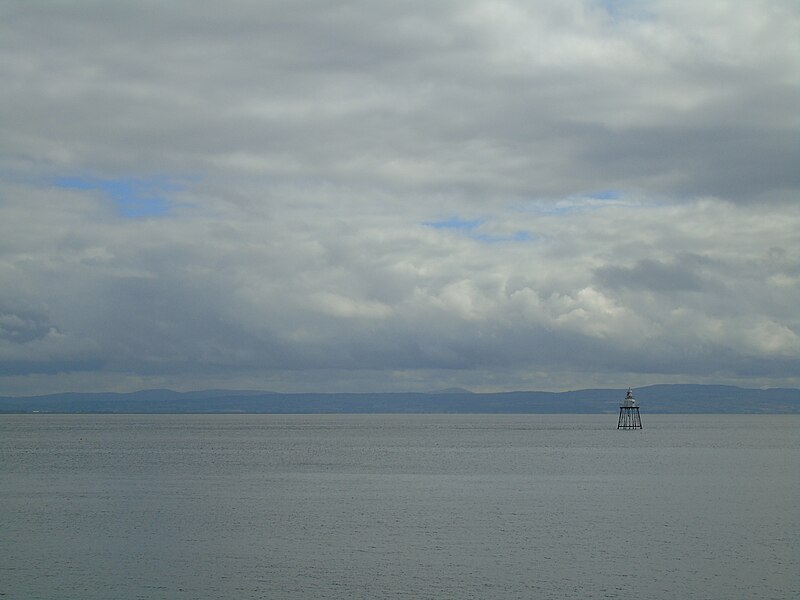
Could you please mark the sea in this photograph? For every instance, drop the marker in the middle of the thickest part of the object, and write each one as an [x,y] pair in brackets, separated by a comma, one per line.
[399,506]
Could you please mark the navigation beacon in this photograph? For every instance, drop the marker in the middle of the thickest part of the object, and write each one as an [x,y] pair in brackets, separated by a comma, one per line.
[629,413]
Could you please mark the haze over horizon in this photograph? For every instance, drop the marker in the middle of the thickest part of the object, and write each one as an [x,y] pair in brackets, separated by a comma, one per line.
[399,196]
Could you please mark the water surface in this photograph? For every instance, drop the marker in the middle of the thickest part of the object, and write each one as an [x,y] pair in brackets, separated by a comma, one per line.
[398,506]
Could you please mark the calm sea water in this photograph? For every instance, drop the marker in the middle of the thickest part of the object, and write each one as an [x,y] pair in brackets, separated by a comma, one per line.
[422,506]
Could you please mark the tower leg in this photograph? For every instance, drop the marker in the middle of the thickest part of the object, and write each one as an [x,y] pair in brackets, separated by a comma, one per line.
[629,418]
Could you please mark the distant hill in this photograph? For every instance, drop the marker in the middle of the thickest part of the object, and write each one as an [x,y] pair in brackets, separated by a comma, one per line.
[651,399]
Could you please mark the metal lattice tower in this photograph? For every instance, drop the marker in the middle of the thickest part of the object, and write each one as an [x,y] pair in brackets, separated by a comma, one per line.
[629,413]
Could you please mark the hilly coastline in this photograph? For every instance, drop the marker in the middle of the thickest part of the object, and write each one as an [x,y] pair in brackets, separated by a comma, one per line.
[652,399]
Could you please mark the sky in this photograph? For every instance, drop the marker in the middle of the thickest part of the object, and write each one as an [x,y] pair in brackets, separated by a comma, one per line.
[398,196]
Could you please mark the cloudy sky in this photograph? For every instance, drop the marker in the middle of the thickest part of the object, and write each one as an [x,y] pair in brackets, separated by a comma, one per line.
[398,195]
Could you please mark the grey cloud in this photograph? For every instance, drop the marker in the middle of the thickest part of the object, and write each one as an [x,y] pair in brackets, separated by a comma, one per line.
[653,275]
[31,343]
[23,324]
[455,94]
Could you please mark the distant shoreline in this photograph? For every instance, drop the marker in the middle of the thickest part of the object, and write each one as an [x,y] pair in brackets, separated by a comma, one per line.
[655,399]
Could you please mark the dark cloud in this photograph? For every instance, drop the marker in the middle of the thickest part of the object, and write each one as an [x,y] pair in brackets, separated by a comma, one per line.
[653,275]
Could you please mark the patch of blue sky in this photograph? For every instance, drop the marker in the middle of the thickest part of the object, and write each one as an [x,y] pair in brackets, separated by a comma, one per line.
[554,208]
[570,205]
[493,238]
[455,223]
[471,229]
[639,10]
[522,236]
[605,195]
[133,198]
